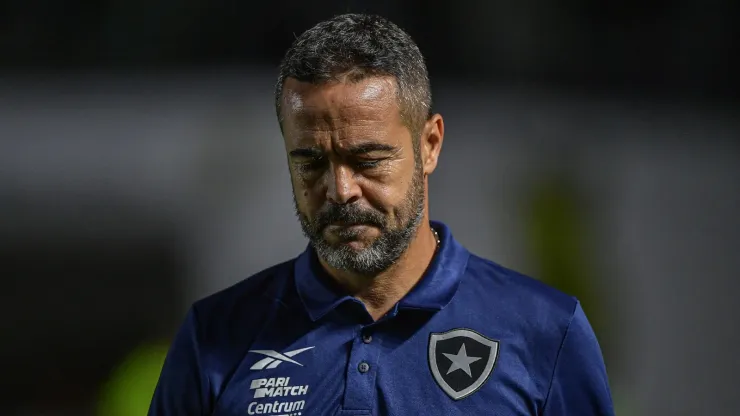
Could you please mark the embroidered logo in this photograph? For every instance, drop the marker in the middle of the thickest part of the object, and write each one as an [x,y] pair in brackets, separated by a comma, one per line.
[461,360]
[274,358]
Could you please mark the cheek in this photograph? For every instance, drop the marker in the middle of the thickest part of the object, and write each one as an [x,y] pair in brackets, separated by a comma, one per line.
[308,201]
[385,197]
[300,186]
[389,191]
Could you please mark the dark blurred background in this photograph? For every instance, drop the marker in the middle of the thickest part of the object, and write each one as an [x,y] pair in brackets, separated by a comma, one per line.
[593,145]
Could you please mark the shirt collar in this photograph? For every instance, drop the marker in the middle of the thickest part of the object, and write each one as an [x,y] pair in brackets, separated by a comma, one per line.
[434,291]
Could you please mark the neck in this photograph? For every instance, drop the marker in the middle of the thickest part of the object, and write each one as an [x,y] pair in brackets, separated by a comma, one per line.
[381,292]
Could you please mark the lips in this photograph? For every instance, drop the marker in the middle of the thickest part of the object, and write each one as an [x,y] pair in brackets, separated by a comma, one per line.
[347,230]
[346,227]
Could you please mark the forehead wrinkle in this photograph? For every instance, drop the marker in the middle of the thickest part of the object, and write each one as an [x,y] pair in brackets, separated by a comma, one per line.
[346,137]
[338,109]
[343,97]
[342,120]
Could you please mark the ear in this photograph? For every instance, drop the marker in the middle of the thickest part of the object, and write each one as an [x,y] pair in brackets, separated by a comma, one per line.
[431,143]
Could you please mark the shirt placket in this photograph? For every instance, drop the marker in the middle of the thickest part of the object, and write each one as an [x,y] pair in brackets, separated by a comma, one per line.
[359,393]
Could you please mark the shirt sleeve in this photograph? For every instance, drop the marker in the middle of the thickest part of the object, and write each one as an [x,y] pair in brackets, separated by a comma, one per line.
[579,385]
[180,387]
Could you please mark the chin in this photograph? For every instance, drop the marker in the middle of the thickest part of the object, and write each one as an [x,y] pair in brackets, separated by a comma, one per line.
[354,244]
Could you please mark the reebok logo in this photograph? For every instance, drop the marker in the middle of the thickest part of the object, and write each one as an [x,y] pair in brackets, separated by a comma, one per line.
[275,358]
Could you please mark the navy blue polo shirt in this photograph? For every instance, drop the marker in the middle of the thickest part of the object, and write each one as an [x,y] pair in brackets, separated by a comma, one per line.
[471,338]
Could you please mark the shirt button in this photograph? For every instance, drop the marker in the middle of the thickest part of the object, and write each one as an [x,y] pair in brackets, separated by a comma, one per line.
[367,338]
[364,367]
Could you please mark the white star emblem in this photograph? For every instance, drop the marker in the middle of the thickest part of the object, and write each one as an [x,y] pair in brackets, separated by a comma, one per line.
[461,361]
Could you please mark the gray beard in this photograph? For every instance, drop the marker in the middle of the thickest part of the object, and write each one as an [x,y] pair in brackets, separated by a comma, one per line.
[385,251]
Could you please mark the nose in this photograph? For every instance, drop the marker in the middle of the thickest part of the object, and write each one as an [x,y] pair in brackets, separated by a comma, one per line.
[342,188]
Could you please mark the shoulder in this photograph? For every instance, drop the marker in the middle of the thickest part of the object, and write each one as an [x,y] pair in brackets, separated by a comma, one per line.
[246,302]
[523,313]
[518,297]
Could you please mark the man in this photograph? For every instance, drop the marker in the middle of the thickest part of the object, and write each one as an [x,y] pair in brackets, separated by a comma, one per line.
[384,313]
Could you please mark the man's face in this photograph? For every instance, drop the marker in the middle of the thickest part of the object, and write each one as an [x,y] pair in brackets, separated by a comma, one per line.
[357,177]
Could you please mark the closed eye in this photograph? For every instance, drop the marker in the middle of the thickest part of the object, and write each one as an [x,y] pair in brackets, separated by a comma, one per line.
[314,164]
[311,164]
[368,164]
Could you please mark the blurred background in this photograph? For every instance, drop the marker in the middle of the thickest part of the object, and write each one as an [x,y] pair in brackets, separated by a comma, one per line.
[593,145]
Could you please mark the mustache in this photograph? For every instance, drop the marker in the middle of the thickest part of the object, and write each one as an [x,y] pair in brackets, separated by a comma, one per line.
[348,214]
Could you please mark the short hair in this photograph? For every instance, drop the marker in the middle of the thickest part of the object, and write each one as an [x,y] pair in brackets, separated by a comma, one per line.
[353,47]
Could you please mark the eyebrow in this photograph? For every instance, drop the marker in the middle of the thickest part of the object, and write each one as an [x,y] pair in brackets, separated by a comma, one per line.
[308,152]
[363,148]
[358,149]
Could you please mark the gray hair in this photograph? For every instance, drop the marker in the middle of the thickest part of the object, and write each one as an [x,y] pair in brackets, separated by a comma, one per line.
[352,47]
